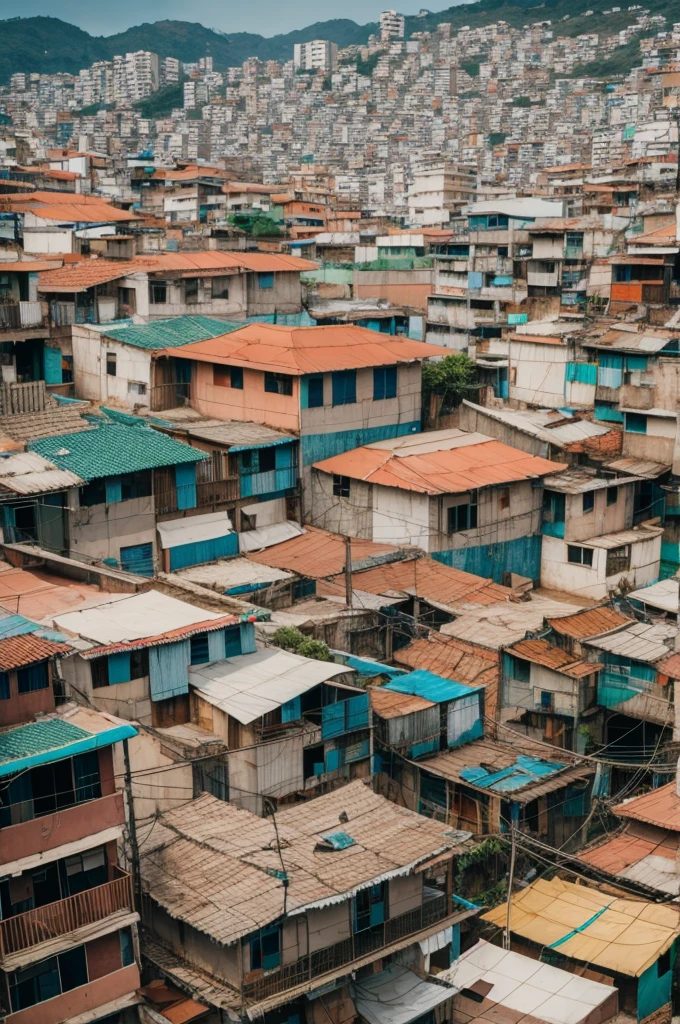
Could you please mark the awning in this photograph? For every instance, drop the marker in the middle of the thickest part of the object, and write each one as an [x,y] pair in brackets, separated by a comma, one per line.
[194,529]
[255,684]
[267,536]
[397,996]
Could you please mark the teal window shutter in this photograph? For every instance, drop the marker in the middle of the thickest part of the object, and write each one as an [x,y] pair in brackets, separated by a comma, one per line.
[185,481]
[114,491]
[291,710]
[247,638]
[119,667]
[232,642]
[52,365]
[216,646]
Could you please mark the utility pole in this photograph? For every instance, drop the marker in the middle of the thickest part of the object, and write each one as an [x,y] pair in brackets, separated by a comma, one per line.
[348,572]
[134,846]
[511,878]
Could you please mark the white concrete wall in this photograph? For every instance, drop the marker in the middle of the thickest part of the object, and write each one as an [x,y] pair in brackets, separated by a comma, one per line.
[592,582]
[89,368]
[401,517]
[537,373]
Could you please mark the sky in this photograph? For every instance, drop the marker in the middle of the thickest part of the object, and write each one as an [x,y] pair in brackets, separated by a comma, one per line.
[266,17]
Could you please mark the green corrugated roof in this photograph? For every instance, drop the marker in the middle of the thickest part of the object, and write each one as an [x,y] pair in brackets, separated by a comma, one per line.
[38,738]
[177,330]
[114,448]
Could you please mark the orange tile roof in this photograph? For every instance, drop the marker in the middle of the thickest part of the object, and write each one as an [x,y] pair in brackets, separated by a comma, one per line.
[588,623]
[16,651]
[67,207]
[29,266]
[540,652]
[78,277]
[670,666]
[317,553]
[262,262]
[450,658]
[391,704]
[449,471]
[301,350]
[430,580]
[659,807]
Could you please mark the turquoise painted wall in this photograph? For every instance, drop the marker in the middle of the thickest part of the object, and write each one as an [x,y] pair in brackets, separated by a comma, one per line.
[522,556]
[315,447]
[654,986]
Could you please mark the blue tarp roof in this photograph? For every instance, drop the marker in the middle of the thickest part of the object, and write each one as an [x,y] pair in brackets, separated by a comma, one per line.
[421,683]
[523,772]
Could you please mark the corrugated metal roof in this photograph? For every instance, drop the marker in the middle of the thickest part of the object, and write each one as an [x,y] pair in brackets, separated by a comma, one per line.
[391,704]
[30,473]
[589,622]
[112,449]
[659,807]
[548,425]
[498,625]
[252,685]
[317,553]
[218,868]
[641,642]
[453,659]
[301,350]
[74,278]
[396,995]
[629,341]
[194,529]
[176,330]
[662,595]
[541,652]
[238,435]
[609,541]
[421,683]
[192,263]
[624,936]
[445,470]
[639,467]
[578,480]
[617,854]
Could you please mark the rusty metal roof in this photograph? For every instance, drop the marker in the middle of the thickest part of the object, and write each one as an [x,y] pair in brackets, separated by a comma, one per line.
[658,807]
[440,467]
[454,659]
[618,853]
[318,553]
[590,622]
[392,704]
[541,652]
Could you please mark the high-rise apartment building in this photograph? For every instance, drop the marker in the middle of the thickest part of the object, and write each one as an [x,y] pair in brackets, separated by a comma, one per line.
[318,54]
[391,25]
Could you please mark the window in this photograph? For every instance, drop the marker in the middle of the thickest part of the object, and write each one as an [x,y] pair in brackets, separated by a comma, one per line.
[33,677]
[663,964]
[278,383]
[199,649]
[369,907]
[384,382]
[315,392]
[85,870]
[265,949]
[191,291]
[228,377]
[127,949]
[93,493]
[618,560]
[579,556]
[517,668]
[265,281]
[612,495]
[341,486]
[136,387]
[636,423]
[158,293]
[266,460]
[588,501]
[111,364]
[345,387]
[135,485]
[220,287]
[546,700]
[99,668]
[4,686]
[463,517]
[504,498]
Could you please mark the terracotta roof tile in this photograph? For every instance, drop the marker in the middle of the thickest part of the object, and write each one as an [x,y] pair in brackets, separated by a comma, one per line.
[16,651]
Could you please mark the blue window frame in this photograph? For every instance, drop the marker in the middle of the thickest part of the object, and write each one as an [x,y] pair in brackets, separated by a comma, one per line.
[265,281]
[232,641]
[369,907]
[4,686]
[635,423]
[127,949]
[265,949]
[384,382]
[33,677]
[345,387]
[315,392]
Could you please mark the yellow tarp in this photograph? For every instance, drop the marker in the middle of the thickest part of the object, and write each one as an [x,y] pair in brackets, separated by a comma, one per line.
[626,936]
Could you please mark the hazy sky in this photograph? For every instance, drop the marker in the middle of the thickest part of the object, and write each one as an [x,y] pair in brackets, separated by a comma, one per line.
[267,17]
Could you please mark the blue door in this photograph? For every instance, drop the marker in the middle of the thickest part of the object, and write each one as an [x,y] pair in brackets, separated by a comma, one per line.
[137,559]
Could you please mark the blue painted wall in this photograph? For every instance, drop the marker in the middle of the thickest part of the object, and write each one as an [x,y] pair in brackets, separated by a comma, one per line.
[201,551]
[316,447]
[522,556]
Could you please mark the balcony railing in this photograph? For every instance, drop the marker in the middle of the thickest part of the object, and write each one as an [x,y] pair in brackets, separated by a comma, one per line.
[14,315]
[64,916]
[360,944]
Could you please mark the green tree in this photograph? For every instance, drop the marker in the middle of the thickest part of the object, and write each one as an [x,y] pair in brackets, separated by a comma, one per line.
[291,639]
[452,378]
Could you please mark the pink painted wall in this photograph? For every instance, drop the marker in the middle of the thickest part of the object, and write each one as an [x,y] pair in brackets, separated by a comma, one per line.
[251,402]
[65,826]
[88,997]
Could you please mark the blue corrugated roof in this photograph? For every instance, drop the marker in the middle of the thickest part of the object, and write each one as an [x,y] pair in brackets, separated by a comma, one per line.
[53,739]
[173,332]
[112,449]
[421,683]
[16,625]
[518,775]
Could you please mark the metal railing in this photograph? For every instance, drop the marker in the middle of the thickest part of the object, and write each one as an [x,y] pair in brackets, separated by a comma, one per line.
[209,494]
[67,915]
[15,314]
[360,944]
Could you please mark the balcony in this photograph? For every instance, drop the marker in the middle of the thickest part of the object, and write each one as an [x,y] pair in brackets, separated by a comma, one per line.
[361,944]
[106,311]
[66,916]
[14,315]
[39,834]
[539,279]
[637,396]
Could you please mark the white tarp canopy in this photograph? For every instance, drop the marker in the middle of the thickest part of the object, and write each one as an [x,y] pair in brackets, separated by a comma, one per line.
[397,996]
[195,528]
[254,684]
[528,987]
[133,618]
[267,536]
[233,572]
